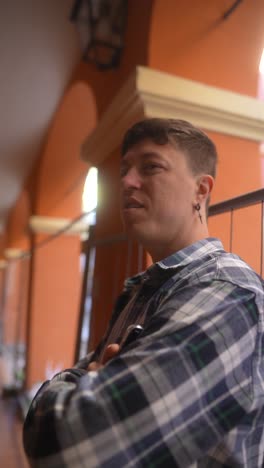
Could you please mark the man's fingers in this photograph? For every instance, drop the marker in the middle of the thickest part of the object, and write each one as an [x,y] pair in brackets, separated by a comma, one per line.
[110,352]
[94,366]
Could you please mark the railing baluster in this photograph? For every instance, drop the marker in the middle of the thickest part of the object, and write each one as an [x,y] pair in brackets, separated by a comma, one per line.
[261,240]
[231,229]
[242,201]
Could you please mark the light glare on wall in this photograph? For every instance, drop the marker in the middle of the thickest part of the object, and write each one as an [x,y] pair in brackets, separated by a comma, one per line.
[261,64]
[89,198]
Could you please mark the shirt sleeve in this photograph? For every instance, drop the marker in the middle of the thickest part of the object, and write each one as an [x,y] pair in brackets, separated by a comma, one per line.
[165,400]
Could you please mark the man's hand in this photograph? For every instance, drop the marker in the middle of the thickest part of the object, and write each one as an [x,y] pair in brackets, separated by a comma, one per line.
[110,352]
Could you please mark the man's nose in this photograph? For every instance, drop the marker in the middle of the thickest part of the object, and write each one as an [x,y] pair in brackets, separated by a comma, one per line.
[131,179]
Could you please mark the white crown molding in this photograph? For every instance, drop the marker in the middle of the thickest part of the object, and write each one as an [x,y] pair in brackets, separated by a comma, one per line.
[151,93]
[13,253]
[50,225]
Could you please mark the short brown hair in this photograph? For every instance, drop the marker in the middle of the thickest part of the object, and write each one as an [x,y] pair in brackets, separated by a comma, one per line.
[200,151]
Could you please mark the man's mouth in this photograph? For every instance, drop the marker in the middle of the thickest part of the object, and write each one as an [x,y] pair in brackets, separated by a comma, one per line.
[132,203]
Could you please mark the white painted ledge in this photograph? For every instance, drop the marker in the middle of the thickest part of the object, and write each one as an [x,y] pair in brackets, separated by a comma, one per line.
[50,225]
[151,93]
[46,225]
[13,253]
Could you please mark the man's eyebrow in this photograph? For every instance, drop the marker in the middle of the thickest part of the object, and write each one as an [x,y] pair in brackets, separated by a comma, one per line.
[151,154]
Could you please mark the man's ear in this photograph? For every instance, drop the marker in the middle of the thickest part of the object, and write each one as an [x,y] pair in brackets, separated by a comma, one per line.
[205,185]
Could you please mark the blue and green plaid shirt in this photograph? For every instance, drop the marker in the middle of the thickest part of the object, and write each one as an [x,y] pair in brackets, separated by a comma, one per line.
[189,392]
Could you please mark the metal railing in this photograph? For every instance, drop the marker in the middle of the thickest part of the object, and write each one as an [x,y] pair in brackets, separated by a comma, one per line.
[243,201]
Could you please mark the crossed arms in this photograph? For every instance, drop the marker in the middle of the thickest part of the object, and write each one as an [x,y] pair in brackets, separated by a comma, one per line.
[168,399]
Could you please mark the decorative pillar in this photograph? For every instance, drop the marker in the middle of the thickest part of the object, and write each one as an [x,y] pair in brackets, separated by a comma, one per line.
[55,296]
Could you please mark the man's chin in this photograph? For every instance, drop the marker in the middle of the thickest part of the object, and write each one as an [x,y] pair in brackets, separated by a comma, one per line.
[136,232]
[133,230]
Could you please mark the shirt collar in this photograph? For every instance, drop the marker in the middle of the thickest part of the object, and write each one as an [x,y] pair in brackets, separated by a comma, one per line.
[177,260]
[190,254]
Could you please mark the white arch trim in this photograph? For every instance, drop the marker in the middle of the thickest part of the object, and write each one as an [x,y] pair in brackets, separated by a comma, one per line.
[52,225]
[13,253]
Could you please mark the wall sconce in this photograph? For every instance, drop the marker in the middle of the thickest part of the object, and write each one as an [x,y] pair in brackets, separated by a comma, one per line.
[101,25]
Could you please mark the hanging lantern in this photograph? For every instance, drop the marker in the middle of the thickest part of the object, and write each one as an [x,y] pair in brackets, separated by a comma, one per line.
[101,25]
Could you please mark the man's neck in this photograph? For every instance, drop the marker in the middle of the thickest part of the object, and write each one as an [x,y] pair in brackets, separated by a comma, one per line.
[159,252]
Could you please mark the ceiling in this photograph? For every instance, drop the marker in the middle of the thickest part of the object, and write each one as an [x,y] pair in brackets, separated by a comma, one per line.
[39,49]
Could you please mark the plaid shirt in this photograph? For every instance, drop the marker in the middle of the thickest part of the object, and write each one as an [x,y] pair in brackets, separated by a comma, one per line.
[189,392]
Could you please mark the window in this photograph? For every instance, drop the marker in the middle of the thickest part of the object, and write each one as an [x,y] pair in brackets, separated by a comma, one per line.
[89,197]
[89,204]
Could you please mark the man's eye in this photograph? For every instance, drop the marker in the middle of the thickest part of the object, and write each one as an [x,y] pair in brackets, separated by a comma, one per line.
[151,167]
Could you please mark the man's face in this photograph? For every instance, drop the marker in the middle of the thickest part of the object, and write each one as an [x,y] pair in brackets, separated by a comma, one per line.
[157,196]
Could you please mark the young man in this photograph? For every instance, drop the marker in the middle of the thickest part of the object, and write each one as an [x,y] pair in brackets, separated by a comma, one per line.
[189,390]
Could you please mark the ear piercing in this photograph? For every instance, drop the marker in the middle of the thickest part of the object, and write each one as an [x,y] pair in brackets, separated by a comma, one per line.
[197,207]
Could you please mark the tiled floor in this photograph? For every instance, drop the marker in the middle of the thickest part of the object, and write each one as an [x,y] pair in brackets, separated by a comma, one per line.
[11,450]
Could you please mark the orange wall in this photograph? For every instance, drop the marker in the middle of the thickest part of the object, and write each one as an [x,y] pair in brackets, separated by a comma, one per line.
[17,226]
[56,283]
[12,304]
[2,291]
[189,39]
[23,301]
[3,240]
[15,294]
[62,172]
[15,302]
[55,302]
[239,172]
[239,167]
